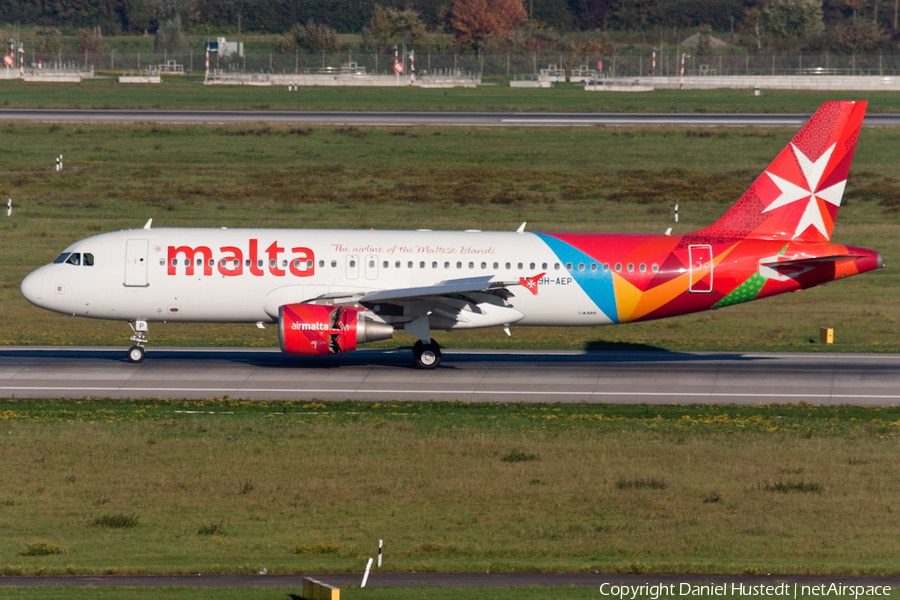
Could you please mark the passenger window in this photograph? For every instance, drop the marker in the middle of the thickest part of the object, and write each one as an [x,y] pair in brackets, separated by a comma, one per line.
[259,263]
[484,265]
[61,258]
[471,265]
[371,264]
[333,264]
[283,263]
[543,266]
[459,265]
[211,262]
[422,264]
[655,268]
[434,265]
[618,267]
[397,265]
[247,263]
[556,266]
[186,262]
[322,263]
[352,264]
[385,264]
[88,259]
[199,262]
[630,267]
[508,266]
[531,266]
[174,262]
[410,265]
[496,265]
[581,266]
[296,263]
[606,266]
[447,265]
[223,262]
[593,266]
[162,262]
[568,266]
[521,266]
[643,268]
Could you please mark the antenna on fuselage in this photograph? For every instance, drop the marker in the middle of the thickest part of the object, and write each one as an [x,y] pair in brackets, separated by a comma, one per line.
[149,222]
[521,228]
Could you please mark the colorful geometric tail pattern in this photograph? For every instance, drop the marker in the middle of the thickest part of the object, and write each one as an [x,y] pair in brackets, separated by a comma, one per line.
[797,198]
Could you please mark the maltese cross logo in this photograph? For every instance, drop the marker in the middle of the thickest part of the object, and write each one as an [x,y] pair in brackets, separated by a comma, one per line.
[813,173]
[531,283]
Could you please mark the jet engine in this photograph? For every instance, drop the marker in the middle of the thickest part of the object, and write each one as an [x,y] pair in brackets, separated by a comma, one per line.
[318,329]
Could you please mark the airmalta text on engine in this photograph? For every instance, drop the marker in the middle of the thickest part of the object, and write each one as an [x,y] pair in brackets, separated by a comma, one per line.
[301,264]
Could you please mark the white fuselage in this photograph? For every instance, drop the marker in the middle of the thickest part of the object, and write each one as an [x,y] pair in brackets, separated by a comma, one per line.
[244,275]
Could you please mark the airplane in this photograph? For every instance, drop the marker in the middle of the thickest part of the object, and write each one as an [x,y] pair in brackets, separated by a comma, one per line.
[332,290]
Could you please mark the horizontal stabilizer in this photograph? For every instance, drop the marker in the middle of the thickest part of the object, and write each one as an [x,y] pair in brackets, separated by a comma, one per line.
[809,262]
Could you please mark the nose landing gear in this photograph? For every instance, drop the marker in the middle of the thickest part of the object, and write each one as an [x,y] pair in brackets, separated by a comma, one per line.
[137,353]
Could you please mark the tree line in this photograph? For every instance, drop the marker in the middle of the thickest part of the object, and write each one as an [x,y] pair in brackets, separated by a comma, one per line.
[511,25]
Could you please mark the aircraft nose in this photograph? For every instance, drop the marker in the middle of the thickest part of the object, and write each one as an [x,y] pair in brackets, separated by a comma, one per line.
[33,287]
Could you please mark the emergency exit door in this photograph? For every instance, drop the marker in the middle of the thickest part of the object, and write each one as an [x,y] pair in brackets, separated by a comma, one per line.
[701,259]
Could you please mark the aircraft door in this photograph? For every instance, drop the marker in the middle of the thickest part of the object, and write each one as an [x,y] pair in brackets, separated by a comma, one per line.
[371,267]
[701,260]
[352,266]
[136,263]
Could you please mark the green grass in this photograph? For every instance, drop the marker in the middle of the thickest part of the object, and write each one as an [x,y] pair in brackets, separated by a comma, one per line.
[368,593]
[557,179]
[168,593]
[178,93]
[428,478]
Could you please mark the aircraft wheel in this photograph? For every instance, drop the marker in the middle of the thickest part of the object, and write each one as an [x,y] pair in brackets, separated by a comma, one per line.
[136,354]
[427,356]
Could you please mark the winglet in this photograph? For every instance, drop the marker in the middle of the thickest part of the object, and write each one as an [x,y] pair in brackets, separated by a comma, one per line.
[149,223]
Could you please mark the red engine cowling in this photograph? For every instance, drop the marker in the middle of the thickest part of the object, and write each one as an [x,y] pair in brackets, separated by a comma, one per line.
[318,329]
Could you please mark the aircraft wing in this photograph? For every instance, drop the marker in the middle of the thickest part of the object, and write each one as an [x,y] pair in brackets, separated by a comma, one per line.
[450,287]
[471,300]
[445,288]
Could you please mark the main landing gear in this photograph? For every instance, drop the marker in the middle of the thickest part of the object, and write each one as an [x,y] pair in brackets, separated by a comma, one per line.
[137,353]
[427,356]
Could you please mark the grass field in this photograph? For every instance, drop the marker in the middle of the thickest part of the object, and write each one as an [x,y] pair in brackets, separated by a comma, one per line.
[98,486]
[367,593]
[177,93]
[557,179]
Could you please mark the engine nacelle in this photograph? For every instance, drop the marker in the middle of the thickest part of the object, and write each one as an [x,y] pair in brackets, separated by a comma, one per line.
[319,329]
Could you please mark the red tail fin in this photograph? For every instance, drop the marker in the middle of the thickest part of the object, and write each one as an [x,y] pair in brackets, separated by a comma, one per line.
[798,196]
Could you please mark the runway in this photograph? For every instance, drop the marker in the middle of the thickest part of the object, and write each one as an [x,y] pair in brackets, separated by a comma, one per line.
[468,375]
[407,119]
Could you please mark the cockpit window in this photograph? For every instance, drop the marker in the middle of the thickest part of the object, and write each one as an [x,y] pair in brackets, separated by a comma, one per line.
[62,258]
[88,259]
[74,259]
